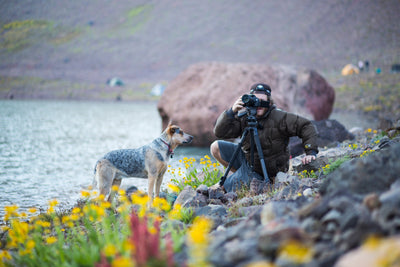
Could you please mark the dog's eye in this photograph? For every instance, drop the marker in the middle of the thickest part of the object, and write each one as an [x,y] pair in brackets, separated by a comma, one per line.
[177,130]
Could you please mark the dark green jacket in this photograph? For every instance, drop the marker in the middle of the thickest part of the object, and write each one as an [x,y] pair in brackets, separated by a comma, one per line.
[276,127]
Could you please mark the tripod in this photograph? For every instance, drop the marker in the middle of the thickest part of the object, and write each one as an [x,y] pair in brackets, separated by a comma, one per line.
[252,129]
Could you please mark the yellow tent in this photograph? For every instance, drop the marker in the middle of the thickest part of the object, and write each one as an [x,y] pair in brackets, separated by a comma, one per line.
[350,69]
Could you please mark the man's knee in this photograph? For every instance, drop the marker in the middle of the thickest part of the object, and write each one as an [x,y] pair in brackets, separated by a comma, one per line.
[214,149]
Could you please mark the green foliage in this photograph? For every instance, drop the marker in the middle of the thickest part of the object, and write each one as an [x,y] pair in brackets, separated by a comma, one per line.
[187,215]
[208,175]
[334,165]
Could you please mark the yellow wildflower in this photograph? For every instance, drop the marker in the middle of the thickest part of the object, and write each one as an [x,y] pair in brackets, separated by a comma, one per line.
[110,250]
[260,264]
[198,241]
[122,262]
[174,188]
[51,240]
[5,255]
[198,233]
[32,210]
[85,194]
[161,204]
[115,188]
[296,251]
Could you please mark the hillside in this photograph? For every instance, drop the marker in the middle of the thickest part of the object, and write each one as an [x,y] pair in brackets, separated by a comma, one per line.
[69,49]
[152,41]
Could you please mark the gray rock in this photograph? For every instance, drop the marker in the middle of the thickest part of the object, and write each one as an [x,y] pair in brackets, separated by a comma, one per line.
[185,198]
[373,173]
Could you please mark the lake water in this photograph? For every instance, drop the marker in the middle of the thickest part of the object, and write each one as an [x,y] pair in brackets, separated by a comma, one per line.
[48,149]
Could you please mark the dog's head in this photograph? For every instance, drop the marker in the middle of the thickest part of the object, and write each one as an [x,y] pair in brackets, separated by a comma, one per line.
[177,136]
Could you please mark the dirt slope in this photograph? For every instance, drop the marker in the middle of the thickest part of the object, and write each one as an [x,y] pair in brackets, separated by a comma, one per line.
[150,41]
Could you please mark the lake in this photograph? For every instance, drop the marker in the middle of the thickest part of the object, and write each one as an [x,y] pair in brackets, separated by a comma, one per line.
[48,149]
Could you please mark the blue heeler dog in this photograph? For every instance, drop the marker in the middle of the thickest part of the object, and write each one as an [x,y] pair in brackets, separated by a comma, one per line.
[149,161]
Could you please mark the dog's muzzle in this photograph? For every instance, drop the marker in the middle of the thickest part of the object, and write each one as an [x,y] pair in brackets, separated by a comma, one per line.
[188,140]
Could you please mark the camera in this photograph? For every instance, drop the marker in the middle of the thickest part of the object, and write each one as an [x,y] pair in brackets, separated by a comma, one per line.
[253,101]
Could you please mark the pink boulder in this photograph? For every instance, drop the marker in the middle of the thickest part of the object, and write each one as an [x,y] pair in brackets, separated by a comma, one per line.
[197,96]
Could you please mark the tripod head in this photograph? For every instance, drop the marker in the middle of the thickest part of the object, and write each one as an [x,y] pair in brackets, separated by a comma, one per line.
[251,119]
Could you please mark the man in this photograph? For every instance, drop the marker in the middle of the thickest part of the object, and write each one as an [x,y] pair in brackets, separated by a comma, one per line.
[275,127]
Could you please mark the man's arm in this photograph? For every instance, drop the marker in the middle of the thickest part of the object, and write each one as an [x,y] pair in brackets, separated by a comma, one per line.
[227,126]
[303,128]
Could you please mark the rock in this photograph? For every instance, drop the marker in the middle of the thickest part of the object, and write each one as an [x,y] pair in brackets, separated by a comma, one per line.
[330,133]
[186,197]
[308,192]
[388,214]
[210,88]
[216,192]
[231,196]
[202,189]
[372,202]
[257,186]
[270,241]
[314,165]
[276,210]
[373,173]
[376,252]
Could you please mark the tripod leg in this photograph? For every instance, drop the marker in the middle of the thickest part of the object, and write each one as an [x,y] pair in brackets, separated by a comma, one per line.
[260,154]
[223,178]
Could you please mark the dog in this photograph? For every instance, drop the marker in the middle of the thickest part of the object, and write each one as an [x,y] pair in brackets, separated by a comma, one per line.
[149,161]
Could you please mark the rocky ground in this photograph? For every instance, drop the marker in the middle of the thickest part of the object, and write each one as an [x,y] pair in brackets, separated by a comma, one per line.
[324,214]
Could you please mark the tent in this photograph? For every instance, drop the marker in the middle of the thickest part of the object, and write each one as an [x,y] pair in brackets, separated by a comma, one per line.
[350,69]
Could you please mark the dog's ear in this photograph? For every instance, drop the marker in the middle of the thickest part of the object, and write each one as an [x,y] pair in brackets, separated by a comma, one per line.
[170,130]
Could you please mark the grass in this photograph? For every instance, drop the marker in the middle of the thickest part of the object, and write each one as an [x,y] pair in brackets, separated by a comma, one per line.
[18,35]
[370,93]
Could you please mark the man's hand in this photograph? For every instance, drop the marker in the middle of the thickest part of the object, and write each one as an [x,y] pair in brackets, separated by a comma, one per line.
[307,159]
[238,105]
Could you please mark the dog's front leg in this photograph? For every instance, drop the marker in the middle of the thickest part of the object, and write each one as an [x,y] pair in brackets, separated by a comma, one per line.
[116,182]
[152,179]
[159,181]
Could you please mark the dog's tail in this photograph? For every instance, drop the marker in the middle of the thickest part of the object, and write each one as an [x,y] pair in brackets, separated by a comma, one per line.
[94,183]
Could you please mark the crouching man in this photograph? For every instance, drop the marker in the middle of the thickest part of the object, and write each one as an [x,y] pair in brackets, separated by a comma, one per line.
[275,127]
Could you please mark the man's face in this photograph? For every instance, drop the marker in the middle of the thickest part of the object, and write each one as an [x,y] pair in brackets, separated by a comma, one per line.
[261,110]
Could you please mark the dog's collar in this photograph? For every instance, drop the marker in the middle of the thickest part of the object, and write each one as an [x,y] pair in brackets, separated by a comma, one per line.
[170,151]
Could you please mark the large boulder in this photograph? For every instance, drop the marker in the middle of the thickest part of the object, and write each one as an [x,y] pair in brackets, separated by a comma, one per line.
[196,97]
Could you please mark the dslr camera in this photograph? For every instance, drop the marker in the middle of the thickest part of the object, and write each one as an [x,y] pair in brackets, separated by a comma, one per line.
[253,101]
